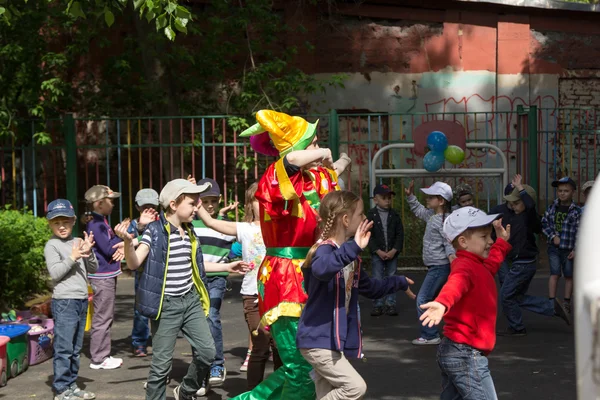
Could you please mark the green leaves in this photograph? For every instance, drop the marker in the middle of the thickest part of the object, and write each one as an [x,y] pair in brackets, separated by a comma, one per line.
[169,33]
[109,17]
[74,10]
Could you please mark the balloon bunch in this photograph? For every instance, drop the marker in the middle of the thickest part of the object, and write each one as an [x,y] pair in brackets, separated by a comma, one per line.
[440,152]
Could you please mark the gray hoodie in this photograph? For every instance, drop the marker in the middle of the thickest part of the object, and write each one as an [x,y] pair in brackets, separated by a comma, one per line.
[436,249]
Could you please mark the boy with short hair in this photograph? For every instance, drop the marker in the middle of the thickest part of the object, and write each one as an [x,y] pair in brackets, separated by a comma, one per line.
[171,289]
[146,202]
[586,190]
[463,193]
[68,260]
[468,304]
[387,241]
[560,224]
[216,248]
[104,280]
[519,268]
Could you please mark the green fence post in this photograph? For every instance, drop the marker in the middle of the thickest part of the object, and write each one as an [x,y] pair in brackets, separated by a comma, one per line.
[532,145]
[334,135]
[71,167]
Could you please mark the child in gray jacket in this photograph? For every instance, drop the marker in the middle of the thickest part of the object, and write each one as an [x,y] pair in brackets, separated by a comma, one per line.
[68,260]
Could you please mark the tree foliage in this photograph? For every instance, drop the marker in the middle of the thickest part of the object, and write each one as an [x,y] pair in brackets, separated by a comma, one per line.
[147,57]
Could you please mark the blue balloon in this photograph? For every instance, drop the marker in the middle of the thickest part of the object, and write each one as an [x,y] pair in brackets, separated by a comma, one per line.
[437,141]
[433,161]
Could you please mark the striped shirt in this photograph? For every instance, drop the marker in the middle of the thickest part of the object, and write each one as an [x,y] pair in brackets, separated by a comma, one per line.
[215,246]
[179,268]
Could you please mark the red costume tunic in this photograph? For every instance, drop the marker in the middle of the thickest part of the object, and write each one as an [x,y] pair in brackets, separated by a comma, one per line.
[289,221]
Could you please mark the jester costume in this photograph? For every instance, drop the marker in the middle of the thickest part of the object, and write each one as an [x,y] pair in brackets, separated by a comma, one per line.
[289,220]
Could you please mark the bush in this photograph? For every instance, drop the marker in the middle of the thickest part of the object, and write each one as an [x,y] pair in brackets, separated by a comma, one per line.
[22,265]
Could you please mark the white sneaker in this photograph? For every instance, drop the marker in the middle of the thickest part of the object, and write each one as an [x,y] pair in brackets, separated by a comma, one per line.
[423,342]
[109,363]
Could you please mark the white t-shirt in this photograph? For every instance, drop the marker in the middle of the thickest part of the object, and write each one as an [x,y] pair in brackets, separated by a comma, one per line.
[253,252]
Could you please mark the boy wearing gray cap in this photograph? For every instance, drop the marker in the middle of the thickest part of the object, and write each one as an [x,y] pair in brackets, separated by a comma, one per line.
[146,202]
[171,290]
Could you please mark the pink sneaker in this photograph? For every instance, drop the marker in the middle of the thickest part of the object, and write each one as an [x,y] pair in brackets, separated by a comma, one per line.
[109,363]
[244,366]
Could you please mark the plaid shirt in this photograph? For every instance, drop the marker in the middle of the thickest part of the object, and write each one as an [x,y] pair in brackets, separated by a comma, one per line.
[568,234]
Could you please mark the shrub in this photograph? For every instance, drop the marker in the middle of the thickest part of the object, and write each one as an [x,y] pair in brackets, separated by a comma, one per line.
[22,265]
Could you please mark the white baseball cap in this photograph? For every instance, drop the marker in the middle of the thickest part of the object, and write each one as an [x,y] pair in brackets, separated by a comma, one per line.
[439,189]
[175,188]
[466,218]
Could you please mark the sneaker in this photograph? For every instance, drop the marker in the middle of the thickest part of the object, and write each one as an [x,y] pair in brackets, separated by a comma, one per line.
[567,305]
[203,391]
[391,311]
[561,311]
[66,395]
[218,373]
[377,311]
[109,363]
[140,351]
[80,394]
[423,342]
[244,366]
[180,396]
[512,332]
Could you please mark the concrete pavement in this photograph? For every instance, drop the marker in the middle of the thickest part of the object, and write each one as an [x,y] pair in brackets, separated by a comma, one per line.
[540,365]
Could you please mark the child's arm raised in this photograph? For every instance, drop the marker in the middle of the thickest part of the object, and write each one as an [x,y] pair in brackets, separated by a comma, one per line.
[58,267]
[417,208]
[219,225]
[134,257]
[500,249]
[328,260]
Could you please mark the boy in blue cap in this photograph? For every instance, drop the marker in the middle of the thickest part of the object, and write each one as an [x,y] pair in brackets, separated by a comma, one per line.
[68,260]
[387,241]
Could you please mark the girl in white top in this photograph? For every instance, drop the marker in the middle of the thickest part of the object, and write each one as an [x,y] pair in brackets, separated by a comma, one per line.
[253,251]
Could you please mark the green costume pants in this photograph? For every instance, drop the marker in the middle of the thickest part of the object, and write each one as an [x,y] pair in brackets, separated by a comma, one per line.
[291,381]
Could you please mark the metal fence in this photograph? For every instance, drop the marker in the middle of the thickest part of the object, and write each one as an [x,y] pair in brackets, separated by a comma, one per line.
[128,154]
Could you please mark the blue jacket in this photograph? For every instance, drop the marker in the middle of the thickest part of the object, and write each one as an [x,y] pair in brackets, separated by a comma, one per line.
[105,239]
[324,323]
[150,292]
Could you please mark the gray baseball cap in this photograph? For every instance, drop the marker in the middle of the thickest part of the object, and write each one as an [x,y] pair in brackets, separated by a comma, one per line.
[177,187]
[146,196]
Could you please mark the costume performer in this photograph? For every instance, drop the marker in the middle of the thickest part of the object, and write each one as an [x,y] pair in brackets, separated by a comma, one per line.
[289,193]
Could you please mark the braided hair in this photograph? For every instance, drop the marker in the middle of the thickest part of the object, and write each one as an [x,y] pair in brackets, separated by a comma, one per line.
[333,206]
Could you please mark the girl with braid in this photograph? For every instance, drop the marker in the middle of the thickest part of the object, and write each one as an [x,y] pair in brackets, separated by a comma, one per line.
[329,328]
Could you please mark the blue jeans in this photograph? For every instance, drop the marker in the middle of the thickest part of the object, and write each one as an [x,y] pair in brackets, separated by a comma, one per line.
[559,261]
[216,291]
[382,269]
[514,282]
[465,373]
[141,328]
[436,277]
[69,326]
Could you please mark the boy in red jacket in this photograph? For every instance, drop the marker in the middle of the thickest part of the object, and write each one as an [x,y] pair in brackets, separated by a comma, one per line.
[468,302]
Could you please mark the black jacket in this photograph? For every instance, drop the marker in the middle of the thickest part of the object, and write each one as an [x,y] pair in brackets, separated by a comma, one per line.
[395,232]
[523,228]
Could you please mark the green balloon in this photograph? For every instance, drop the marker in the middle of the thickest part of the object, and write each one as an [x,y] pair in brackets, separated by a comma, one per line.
[454,154]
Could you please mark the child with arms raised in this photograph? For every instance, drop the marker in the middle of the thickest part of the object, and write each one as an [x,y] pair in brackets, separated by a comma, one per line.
[329,328]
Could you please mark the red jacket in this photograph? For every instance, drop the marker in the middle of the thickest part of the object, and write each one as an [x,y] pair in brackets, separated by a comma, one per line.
[471,298]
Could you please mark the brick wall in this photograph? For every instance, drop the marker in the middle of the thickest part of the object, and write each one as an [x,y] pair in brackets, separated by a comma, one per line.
[579,92]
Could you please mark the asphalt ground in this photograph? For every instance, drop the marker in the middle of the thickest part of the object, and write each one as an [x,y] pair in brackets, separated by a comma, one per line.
[540,365]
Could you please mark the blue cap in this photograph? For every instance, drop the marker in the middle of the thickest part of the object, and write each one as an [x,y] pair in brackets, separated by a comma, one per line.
[60,208]
[565,181]
[214,189]
[383,190]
